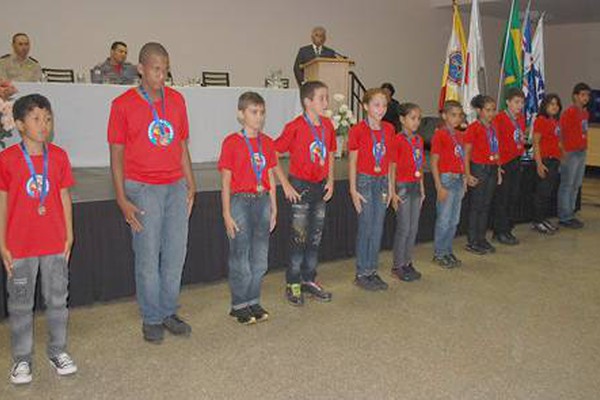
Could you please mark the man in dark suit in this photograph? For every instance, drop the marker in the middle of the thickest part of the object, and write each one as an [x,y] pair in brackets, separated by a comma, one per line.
[314,50]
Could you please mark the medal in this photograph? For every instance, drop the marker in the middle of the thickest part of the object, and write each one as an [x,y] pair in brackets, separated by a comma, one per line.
[377,169]
[322,162]
[259,188]
[518,136]
[378,147]
[157,121]
[258,165]
[417,151]
[319,136]
[42,188]
[42,210]
[417,174]
[492,138]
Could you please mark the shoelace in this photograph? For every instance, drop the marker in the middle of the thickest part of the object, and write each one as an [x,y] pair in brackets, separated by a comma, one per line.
[64,360]
[22,368]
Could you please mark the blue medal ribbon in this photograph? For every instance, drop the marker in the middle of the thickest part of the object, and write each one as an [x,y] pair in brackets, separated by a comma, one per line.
[518,136]
[457,146]
[157,121]
[257,166]
[43,190]
[492,138]
[557,130]
[319,136]
[378,146]
[417,152]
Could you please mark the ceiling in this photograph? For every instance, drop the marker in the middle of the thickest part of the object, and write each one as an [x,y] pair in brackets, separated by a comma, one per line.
[557,11]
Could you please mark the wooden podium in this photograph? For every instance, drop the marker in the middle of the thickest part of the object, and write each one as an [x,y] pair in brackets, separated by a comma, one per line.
[331,71]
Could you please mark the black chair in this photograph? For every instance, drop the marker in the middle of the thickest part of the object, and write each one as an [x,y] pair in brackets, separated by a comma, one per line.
[215,78]
[59,75]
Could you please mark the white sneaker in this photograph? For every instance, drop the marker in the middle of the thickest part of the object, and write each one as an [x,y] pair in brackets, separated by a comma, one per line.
[63,364]
[21,373]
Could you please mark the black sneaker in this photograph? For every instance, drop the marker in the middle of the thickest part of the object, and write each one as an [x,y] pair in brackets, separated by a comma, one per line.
[550,225]
[487,246]
[402,274]
[20,373]
[259,313]
[366,282]
[316,291]
[503,238]
[443,261]
[475,249]
[513,238]
[63,364]
[411,270]
[576,224]
[454,260]
[153,333]
[177,326]
[379,283]
[294,295]
[243,315]
[540,227]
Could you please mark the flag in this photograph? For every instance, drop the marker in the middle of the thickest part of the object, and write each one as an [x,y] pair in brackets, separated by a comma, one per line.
[511,70]
[475,63]
[537,54]
[529,86]
[453,75]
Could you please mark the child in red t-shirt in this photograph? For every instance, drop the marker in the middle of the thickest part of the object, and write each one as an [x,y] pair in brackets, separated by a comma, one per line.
[310,140]
[154,186]
[36,233]
[574,131]
[547,152]
[249,202]
[481,170]
[511,141]
[368,143]
[408,158]
[448,168]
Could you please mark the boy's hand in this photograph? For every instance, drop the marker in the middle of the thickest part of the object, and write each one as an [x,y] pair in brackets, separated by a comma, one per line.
[230,226]
[442,194]
[130,211]
[542,170]
[68,247]
[291,194]
[328,191]
[191,195]
[472,181]
[422,197]
[396,201]
[357,200]
[8,261]
[273,220]
[500,173]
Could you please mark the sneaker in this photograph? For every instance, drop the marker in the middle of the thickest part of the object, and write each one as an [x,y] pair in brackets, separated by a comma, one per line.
[259,313]
[550,225]
[443,261]
[366,282]
[540,227]
[243,315]
[316,290]
[576,224]
[475,249]
[379,283]
[153,333]
[63,364]
[403,274]
[513,238]
[177,326]
[454,260]
[294,295]
[487,246]
[411,270]
[20,373]
[504,238]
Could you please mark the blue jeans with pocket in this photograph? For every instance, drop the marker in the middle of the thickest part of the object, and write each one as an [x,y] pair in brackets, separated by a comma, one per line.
[448,213]
[407,222]
[160,248]
[572,170]
[249,249]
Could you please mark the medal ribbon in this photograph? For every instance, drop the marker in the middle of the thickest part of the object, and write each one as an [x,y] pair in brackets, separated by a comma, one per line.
[257,166]
[319,136]
[44,189]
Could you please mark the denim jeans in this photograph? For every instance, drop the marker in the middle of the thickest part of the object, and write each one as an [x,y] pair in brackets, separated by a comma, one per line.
[542,199]
[249,249]
[370,221]
[480,200]
[571,179]
[160,248]
[448,213]
[507,197]
[21,295]
[307,221]
[407,222]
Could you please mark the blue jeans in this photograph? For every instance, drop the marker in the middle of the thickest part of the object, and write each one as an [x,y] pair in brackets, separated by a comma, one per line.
[407,222]
[249,249]
[307,221]
[572,170]
[370,221]
[161,246]
[448,214]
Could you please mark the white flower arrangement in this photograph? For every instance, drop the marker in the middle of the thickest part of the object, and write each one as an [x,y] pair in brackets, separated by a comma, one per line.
[343,118]
[7,122]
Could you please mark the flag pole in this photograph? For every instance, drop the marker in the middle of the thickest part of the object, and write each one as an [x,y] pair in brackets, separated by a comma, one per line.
[504,53]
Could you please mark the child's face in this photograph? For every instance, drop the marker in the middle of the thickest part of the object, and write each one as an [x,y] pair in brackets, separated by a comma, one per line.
[552,108]
[515,105]
[252,117]
[37,125]
[412,120]
[453,117]
[488,112]
[319,102]
[582,98]
[377,107]
[154,71]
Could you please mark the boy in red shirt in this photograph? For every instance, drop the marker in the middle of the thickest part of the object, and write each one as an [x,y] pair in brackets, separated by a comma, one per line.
[574,127]
[36,233]
[448,169]
[249,202]
[547,152]
[154,187]
[310,140]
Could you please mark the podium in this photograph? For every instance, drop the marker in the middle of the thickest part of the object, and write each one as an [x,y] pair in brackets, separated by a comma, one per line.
[331,71]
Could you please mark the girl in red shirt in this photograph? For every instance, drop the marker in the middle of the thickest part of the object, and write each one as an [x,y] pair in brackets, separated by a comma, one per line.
[547,151]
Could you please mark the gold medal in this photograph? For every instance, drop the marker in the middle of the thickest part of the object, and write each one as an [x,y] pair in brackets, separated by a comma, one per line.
[42,210]
[417,174]
[260,188]
[377,169]
[322,162]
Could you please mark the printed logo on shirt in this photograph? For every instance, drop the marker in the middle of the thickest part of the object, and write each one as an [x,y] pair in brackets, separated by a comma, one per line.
[379,148]
[161,137]
[517,136]
[33,189]
[455,67]
[315,152]
[259,160]
[458,151]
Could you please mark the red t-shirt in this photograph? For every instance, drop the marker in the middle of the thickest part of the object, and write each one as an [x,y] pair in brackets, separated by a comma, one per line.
[549,129]
[573,127]
[404,158]
[29,234]
[150,156]
[305,155]
[359,139]
[481,150]
[511,141]
[235,157]
[450,150]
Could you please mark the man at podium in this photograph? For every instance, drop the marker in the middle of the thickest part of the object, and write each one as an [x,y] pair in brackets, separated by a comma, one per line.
[314,50]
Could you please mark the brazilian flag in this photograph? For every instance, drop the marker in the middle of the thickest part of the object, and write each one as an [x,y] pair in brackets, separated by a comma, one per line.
[512,65]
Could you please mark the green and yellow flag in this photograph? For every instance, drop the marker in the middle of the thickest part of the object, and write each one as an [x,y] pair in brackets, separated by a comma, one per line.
[512,61]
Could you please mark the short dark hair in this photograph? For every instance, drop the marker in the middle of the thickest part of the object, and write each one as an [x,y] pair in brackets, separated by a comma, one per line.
[24,105]
[546,102]
[481,100]
[308,89]
[152,48]
[405,108]
[248,99]
[389,87]
[116,44]
[449,105]
[16,35]
[513,92]
[581,87]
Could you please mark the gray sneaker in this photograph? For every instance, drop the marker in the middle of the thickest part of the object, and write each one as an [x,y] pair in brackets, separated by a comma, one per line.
[153,333]
[366,282]
[381,284]
[20,373]
[177,326]
[63,364]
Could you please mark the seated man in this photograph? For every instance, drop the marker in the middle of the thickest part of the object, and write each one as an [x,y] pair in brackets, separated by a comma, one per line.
[314,50]
[115,69]
[18,66]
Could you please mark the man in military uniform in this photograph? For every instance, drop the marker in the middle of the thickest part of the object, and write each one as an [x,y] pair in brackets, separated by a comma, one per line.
[18,66]
[115,69]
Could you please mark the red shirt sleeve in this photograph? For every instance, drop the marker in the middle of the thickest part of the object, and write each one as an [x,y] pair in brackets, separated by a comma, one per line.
[185,126]
[227,154]
[353,138]
[270,152]
[4,178]
[470,133]
[284,141]
[117,125]
[437,144]
[333,137]
[66,173]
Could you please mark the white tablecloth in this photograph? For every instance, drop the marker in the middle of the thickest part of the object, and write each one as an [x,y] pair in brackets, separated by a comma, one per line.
[81,116]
